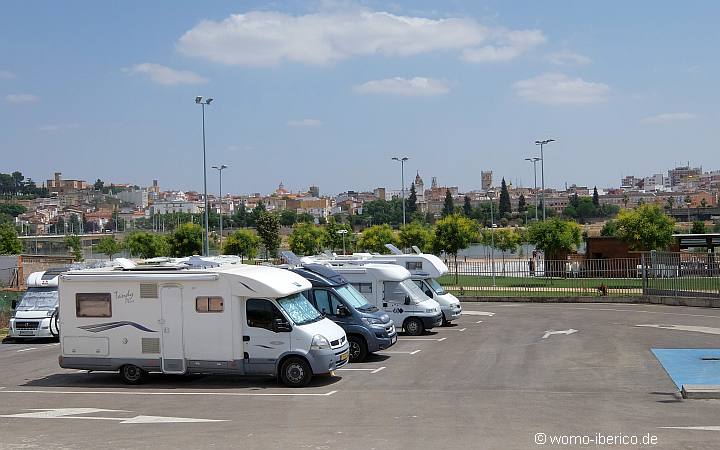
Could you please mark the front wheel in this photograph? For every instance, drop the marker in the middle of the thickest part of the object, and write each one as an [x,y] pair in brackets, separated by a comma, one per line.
[414,326]
[295,372]
[358,349]
[132,374]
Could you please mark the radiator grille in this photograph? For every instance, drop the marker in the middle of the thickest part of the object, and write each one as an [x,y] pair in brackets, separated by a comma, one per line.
[151,345]
[148,290]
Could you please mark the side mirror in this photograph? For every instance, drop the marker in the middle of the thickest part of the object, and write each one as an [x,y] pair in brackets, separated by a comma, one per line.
[13,304]
[342,311]
[407,299]
[281,326]
[429,294]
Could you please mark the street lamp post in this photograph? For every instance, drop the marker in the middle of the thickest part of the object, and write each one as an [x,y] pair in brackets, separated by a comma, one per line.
[534,160]
[206,245]
[220,169]
[542,169]
[343,233]
[402,181]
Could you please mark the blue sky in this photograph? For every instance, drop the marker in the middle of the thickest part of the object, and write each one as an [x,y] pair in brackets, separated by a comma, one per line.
[326,92]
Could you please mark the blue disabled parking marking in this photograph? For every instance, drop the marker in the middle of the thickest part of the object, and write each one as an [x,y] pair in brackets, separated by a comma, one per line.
[690,365]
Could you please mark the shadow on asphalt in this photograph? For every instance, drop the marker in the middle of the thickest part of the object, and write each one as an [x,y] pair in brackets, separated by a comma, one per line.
[104,380]
[373,358]
[676,397]
[11,341]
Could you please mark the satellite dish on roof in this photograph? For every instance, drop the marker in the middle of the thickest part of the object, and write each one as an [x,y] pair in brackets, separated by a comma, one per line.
[291,258]
[196,262]
[394,250]
[125,263]
[417,250]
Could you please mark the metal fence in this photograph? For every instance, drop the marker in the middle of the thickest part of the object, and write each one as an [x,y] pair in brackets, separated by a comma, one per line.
[653,273]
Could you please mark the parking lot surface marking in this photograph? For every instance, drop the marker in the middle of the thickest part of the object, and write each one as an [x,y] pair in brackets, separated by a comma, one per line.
[479,321]
[687,366]
[402,353]
[706,330]
[425,339]
[363,369]
[565,332]
[710,428]
[74,413]
[217,394]
[26,349]
[477,313]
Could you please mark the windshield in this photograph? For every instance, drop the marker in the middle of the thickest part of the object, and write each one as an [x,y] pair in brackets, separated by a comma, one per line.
[354,298]
[397,291]
[435,286]
[39,299]
[299,309]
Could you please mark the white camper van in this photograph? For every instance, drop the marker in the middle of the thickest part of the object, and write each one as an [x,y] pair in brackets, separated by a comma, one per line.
[236,319]
[35,315]
[425,268]
[390,288]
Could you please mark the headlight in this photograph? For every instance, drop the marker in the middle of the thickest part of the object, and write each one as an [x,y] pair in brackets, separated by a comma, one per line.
[319,342]
[372,321]
[431,310]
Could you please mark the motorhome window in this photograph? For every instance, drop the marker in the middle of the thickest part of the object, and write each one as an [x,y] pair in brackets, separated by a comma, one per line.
[439,290]
[416,294]
[260,313]
[424,287]
[413,265]
[353,297]
[398,291]
[327,302]
[93,304]
[300,310]
[209,304]
[363,288]
[38,299]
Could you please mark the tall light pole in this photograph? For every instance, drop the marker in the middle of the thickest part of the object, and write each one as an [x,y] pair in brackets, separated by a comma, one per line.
[402,181]
[206,245]
[534,160]
[220,169]
[343,232]
[542,169]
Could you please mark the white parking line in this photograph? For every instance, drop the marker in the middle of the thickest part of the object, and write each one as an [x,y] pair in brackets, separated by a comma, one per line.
[368,369]
[52,345]
[448,329]
[378,369]
[478,313]
[424,339]
[479,321]
[403,353]
[216,394]
[26,349]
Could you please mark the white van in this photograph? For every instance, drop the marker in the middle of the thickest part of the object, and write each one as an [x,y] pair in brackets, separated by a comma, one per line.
[390,288]
[425,268]
[35,314]
[236,319]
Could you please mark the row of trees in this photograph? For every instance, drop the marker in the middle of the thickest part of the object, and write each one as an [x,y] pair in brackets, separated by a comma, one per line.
[16,184]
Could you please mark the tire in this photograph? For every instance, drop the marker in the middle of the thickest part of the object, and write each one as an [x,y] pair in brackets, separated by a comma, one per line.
[295,372]
[445,322]
[358,349]
[132,374]
[414,327]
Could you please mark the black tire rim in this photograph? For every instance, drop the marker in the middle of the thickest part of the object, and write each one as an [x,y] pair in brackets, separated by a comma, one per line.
[132,373]
[295,373]
[354,350]
[413,327]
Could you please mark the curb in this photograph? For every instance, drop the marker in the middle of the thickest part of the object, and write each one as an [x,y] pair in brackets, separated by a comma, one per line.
[700,391]
[651,300]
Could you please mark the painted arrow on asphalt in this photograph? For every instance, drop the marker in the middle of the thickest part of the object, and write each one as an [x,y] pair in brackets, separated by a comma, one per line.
[74,413]
[550,333]
[706,330]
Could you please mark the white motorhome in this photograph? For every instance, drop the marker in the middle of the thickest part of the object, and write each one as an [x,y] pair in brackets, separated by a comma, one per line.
[35,315]
[390,288]
[425,268]
[237,319]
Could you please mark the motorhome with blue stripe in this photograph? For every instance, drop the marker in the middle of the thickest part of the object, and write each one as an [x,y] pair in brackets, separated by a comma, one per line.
[239,319]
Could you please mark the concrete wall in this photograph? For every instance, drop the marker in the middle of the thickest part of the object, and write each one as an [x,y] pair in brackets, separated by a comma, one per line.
[7,265]
[655,300]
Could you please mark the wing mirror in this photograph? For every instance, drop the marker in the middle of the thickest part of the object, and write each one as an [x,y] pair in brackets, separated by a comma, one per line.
[407,299]
[13,304]
[280,326]
[342,311]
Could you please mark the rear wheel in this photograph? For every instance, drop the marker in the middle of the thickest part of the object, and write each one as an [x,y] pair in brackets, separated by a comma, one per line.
[414,326]
[295,372]
[358,349]
[132,374]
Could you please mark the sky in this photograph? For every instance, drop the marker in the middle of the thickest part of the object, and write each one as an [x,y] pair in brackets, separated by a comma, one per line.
[326,92]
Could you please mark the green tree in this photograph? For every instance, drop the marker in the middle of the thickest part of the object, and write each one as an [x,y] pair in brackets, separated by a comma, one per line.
[698,227]
[522,203]
[306,239]
[645,228]
[10,244]
[12,209]
[243,243]
[109,246]
[186,240]
[240,216]
[288,217]
[467,207]
[374,238]
[449,205]
[98,185]
[255,214]
[596,197]
[147,245]
[555,237]
[417,234]
[411,202]
[670,202]
[505,205]
[75,246]
[305,218]
[332,238]
[505,240]
[268,228]
[609,229]
[454,233]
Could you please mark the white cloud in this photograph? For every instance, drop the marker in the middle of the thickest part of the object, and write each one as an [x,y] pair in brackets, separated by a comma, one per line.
[6,75]
[417,86]
[669,117]
[260,38]
[566,58]
[559,89]
[21,98]
[165,75]
[304,123]
[55,127]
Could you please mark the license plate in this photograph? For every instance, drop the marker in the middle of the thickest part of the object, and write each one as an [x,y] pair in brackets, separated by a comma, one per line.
[393,339]
[26,333]
[344,356]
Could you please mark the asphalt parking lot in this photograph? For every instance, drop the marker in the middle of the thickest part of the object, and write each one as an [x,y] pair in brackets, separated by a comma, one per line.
[499,377]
